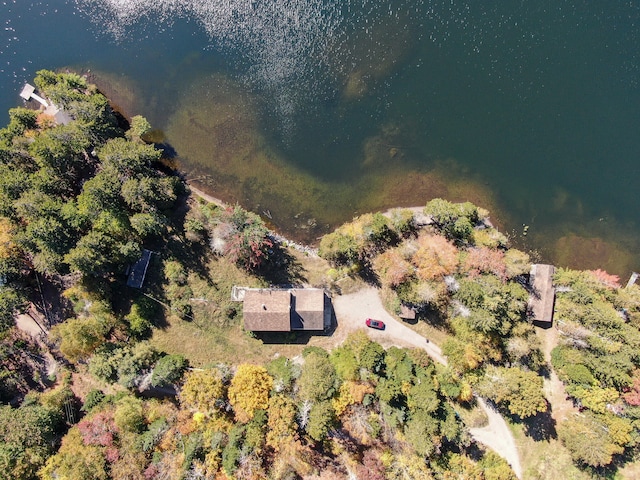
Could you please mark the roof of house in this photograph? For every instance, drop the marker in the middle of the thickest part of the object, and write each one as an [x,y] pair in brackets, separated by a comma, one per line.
[407,312]
[139,270]
[267,310]
[543,296]
[307,309]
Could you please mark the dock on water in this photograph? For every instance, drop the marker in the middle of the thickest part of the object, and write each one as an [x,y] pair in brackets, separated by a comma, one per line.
[543,295]
[28,93]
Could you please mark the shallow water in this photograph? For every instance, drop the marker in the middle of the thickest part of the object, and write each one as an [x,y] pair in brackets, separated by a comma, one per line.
[311,111]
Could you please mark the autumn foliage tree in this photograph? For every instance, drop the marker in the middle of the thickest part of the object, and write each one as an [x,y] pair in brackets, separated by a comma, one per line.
[203,391]
[392,268]
[249,391]
[435,257]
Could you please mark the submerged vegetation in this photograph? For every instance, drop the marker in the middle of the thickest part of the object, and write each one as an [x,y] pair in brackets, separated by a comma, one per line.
[79,203]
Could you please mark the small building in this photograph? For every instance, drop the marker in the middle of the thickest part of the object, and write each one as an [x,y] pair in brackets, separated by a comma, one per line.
[59,115]
[138,270]
[543,294]
[280,310]
[407,312]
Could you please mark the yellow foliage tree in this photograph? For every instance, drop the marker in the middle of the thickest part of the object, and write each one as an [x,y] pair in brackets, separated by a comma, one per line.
[350,393]
[249,391]
[281,421]
[75,460]
[596,398]
[79,337]
[8,248]
[203,391]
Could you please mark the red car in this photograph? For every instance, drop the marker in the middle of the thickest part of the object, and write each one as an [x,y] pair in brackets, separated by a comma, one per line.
[377,324]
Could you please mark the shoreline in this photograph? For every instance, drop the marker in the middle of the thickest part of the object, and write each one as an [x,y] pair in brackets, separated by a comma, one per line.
[274,235]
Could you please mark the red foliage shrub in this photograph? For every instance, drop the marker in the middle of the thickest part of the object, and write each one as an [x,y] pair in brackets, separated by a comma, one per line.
[632,397]
[486,260]
[100,430]
[111,454]
[151,472]
[606,279]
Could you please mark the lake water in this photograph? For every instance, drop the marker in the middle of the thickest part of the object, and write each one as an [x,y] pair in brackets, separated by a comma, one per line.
[312,111]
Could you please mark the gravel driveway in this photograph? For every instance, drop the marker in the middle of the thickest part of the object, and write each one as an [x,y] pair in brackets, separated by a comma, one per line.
[351,312]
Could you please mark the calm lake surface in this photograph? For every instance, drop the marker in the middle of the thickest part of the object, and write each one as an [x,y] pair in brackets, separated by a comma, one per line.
[312,111]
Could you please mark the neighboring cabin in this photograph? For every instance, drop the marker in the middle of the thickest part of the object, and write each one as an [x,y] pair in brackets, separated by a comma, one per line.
[285,310]
[542,299]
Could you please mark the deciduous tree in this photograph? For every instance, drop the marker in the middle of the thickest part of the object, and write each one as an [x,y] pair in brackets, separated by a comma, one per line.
[588,440]
[203,391]
[28,435]
[249,391]
[318,380]
[518,390]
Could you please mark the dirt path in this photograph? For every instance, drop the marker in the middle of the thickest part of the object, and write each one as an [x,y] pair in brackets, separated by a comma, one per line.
[497,436]
[352,310]
[37,329]
[554,389]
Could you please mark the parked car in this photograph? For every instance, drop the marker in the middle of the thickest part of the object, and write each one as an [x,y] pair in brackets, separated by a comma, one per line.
[377,324]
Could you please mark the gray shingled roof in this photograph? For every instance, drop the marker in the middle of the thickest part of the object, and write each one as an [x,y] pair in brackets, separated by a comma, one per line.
[307,309]
[139,270]
[267,310]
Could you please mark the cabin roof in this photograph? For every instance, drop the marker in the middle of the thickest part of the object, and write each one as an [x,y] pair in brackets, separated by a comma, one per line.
[267,310]
[307,312]
[139,270]
[279,310]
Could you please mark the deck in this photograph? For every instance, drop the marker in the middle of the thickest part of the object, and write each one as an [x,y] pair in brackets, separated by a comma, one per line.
[542,298]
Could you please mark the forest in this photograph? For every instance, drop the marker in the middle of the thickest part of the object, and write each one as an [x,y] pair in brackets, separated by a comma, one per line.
[163,382]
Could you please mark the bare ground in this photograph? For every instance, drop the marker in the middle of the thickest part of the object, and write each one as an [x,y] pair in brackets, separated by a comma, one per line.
[554,390]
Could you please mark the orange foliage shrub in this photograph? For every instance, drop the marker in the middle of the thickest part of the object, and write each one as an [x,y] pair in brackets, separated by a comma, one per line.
[435,257]
[392,268]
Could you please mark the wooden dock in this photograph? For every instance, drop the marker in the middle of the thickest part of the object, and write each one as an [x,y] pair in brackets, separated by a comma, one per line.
[542,299]
[28,93]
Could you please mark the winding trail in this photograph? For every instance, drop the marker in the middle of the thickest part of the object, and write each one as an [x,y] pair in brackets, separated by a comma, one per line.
[351,311]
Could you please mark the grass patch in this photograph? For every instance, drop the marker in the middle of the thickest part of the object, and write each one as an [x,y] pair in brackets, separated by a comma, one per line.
[434,334]
[545,459]
[205,345]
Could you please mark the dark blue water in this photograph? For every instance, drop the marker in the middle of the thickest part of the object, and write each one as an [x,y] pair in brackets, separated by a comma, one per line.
[536,102]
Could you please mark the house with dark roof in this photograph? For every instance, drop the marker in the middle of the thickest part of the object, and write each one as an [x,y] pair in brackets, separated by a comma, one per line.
[543,294]
[285,310]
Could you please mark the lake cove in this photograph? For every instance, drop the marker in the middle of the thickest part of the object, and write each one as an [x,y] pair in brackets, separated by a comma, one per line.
[224,149]
[339,108]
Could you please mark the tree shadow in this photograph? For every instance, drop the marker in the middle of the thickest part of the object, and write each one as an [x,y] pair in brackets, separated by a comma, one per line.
[283,268]
[368,275]
[541,426]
